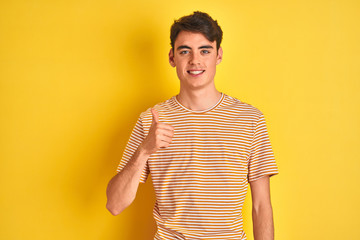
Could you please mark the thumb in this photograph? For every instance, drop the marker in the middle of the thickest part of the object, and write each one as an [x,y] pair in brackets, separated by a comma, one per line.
[155,116]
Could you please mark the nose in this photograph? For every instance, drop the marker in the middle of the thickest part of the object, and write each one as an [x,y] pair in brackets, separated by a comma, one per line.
[194,58]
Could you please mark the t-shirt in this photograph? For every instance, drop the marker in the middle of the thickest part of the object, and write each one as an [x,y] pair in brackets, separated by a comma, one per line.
[201,178]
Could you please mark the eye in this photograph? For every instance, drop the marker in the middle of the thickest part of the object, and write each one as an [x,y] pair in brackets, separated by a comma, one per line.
[184,52]
[205,51]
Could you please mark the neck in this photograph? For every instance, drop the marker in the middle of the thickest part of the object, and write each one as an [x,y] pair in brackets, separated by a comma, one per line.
[200,99]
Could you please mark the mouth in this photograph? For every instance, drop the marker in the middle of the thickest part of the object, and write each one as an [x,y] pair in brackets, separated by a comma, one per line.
[195,72]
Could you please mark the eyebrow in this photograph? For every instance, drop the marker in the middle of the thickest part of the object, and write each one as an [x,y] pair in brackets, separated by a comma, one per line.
[187,47]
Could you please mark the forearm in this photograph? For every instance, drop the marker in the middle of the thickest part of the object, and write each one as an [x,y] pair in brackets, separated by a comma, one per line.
[263,224]
[122,188]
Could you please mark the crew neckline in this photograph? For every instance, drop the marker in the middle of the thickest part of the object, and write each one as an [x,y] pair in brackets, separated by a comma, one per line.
[201,111]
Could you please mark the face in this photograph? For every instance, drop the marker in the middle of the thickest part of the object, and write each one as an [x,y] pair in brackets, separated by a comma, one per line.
[195,59]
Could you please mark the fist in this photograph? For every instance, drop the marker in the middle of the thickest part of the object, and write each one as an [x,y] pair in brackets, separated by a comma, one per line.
[159,136]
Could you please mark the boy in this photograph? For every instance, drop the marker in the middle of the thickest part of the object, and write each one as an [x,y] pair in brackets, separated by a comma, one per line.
[202,147]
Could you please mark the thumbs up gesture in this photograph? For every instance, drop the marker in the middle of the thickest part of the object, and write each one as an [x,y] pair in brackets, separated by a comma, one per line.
[160,135]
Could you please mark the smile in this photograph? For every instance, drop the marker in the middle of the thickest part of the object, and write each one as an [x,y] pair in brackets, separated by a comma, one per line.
[195,72]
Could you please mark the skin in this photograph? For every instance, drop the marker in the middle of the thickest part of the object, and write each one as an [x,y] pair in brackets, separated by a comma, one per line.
[192,51]
[122,188]
[262,214]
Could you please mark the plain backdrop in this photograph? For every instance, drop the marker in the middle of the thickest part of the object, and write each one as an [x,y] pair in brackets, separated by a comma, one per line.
[75,75]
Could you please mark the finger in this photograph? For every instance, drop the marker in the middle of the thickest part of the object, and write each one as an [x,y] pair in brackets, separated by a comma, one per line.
[165,142]
[165,145]
[165,126]
[155,116]
[164,132]
[166,139]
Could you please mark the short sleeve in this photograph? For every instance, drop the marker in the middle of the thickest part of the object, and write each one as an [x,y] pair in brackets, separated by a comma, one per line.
[136,138]
[261,161]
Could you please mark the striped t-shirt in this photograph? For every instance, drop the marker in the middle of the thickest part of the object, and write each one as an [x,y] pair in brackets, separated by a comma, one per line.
[200,179]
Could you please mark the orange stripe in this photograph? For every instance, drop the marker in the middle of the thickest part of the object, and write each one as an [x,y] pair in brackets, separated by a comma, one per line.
[201,179]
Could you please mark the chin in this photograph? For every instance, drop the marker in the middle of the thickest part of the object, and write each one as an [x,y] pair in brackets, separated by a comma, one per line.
[196,86]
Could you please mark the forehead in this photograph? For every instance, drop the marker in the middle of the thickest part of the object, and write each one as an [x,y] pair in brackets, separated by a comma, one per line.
[192,39]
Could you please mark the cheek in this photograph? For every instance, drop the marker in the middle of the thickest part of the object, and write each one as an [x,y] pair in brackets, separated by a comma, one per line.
[181,67]
[212,65]
[180,71]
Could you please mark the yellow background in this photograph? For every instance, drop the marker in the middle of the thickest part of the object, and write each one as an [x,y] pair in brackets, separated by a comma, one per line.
[75,75]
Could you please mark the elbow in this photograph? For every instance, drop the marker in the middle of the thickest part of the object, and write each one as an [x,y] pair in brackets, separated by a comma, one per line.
[262,209]
[116,209]
[114,212]
[117,202]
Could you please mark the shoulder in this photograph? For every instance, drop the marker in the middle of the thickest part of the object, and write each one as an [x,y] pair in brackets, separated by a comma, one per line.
[235,104]
[162,108]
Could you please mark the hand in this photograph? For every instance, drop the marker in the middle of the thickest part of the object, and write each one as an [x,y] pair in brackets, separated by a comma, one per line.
[160,135]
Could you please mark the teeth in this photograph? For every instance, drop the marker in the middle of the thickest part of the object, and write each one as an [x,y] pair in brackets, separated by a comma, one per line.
[195,72]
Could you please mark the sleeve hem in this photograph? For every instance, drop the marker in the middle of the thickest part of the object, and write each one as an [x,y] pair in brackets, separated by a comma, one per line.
[270,174]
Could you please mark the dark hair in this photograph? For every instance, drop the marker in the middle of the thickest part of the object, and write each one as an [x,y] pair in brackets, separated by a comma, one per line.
[199,22]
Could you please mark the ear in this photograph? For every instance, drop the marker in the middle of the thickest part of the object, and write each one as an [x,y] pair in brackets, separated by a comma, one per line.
[171,57]
[219,56]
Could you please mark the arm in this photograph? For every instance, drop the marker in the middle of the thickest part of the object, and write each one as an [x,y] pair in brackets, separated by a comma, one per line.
[122,188]
[263,225]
